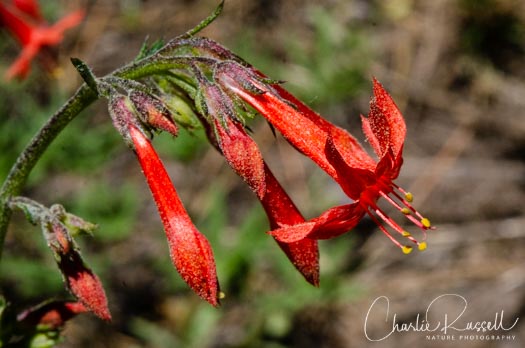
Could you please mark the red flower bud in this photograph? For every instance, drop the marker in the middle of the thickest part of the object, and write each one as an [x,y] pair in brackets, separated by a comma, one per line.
[190,251]
[123,114]
[83,283]
[153,112]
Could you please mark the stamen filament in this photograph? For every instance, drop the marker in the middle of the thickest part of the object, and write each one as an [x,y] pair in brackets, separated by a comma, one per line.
[384,230]
[392,223]
[405,202]
[405,211]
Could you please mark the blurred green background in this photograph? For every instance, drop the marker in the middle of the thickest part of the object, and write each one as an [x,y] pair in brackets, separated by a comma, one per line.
[456,70]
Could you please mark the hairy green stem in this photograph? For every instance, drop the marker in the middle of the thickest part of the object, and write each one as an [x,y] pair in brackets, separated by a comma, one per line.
[20,171]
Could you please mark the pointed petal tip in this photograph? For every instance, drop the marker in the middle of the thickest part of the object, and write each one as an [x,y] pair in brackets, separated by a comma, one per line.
[315,281]
[88,289]
[192,256]
[213,299]
[377,86]
[210,293]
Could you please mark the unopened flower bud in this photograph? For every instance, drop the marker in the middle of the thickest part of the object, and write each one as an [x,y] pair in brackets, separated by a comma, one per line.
[84,284]
[123,114]
[153,112]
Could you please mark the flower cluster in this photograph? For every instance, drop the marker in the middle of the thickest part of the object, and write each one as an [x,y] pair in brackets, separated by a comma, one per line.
[195,82]
[24,20]
[202,82]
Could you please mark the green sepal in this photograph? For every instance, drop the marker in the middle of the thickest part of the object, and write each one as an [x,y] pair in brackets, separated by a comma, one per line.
[149,50]
[207,21]
[86,74]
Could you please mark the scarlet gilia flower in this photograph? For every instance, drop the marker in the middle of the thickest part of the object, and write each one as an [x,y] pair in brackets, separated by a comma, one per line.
[362,178]
[190,251]
[24,20]
[227,133]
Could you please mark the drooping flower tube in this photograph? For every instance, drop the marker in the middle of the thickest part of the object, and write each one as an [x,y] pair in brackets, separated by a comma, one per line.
[227,133]
[58,228]
[25,22]
[190,251]
[339,154]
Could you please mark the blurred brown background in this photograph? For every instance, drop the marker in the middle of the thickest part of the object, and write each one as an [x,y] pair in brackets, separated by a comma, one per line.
[456,70]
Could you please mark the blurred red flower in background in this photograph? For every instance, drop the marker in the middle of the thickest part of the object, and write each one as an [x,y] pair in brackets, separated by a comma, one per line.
[24,20]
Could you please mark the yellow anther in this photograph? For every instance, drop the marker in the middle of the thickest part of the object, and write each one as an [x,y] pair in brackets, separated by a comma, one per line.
[409,197]
[221,295]
[422,246]
[405,211]
[406,249]
[426,223]
[405,234]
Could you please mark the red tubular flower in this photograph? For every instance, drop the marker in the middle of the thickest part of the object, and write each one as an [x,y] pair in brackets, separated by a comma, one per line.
[50,315]
[240,150]
[190,251]
[243,155]
[28,27]
[339,154]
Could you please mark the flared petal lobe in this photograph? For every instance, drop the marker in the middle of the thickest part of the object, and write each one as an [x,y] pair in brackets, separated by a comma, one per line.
[332,223]
[190,251]
[65,23]
[385,127]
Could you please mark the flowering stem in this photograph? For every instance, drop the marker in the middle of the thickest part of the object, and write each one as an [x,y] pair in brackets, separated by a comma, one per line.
[83,97]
